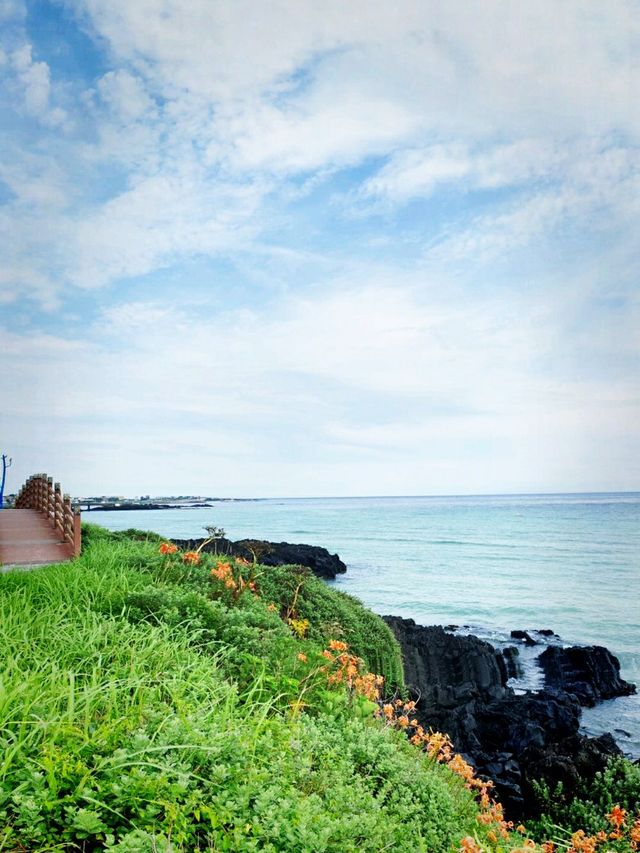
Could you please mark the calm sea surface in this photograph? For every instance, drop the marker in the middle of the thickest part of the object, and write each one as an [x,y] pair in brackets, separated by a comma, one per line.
[493,563]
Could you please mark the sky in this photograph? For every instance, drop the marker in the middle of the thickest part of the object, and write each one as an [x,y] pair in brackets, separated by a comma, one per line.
[320,248]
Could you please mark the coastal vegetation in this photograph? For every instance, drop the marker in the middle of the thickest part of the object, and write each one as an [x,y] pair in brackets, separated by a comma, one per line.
[159,700]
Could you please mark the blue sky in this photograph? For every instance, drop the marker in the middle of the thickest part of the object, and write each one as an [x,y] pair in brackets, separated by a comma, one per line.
[300,248]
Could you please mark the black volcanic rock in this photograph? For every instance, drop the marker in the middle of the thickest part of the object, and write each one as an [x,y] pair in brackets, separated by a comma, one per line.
[566,761]
[526,638]
[511,657]
[460,687]
[319,560]
[448,670]
[591,673]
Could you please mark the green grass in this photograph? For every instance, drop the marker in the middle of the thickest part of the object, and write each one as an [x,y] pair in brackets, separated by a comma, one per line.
[140,712]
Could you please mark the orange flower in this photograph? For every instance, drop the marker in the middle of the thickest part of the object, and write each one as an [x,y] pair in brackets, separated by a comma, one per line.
[403,721]
[469,845]
[242,562]
[168,548]
[271,607]
[583,843]
[302,657]
[338,646]
[460,767]
[493,838]
[387,710]
[616,816]
[520,828]
[191,557]
[222,572]
[548,847]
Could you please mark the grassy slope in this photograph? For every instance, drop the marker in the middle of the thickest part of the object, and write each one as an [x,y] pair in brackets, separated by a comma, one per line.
[140,712]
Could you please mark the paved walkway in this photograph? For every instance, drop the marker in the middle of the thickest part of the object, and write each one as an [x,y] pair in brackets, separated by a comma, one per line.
[27,539]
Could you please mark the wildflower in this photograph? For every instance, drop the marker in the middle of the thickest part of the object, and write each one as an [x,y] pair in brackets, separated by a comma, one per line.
[302,657]
[616,816]
[191,557]
[271,607]
[461,767]
[242,562]
[469,845]
[493,838]
[582,843]
[520,828]
[338,646]
[403,721]
[168,548]
[387,710]
[299,626]
[635,832]
[327,654]
[548,847]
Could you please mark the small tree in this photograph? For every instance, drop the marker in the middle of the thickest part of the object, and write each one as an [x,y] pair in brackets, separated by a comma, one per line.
[215,535]
[6,463]
[257,548]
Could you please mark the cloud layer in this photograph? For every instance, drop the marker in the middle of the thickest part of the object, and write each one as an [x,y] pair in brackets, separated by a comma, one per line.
[322,249]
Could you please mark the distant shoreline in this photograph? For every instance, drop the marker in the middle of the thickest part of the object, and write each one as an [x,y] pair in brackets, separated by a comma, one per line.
[131,505]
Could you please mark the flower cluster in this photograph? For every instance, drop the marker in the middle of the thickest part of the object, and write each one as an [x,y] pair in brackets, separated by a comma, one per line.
[299,626]
[224,572]
[234,582]
[189,557]
[192,558]
[348,669]
[623,829]
[400,714]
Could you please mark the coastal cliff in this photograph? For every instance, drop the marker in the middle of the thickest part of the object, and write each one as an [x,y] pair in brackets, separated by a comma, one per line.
[460,687]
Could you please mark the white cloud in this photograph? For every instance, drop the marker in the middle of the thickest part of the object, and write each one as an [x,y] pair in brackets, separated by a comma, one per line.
[213,133]
[125,94]
[35,81]
[376,371]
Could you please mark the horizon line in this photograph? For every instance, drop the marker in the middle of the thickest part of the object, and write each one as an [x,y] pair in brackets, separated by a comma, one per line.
[449,495]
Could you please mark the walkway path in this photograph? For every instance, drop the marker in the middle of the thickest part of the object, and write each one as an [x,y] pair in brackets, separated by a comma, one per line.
[27,539]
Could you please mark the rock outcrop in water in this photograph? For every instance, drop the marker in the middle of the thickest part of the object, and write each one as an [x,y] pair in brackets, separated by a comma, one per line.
[460,686]
[591,673]
[319,560]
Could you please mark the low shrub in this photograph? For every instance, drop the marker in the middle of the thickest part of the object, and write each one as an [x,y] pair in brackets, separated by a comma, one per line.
[141,733]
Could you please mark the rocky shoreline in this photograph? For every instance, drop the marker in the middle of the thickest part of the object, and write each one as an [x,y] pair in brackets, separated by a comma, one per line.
[460,685]
[319,560]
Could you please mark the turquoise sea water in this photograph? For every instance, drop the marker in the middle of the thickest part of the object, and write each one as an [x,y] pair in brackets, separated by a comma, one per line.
[494,563]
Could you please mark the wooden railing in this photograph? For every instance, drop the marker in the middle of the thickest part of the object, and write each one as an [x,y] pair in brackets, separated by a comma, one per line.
[40,493]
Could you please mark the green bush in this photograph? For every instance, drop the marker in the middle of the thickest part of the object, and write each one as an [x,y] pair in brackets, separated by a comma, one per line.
[618,784]
[335,615]
[137,714]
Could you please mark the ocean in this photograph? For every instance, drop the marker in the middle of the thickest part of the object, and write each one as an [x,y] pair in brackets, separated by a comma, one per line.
[488,564]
